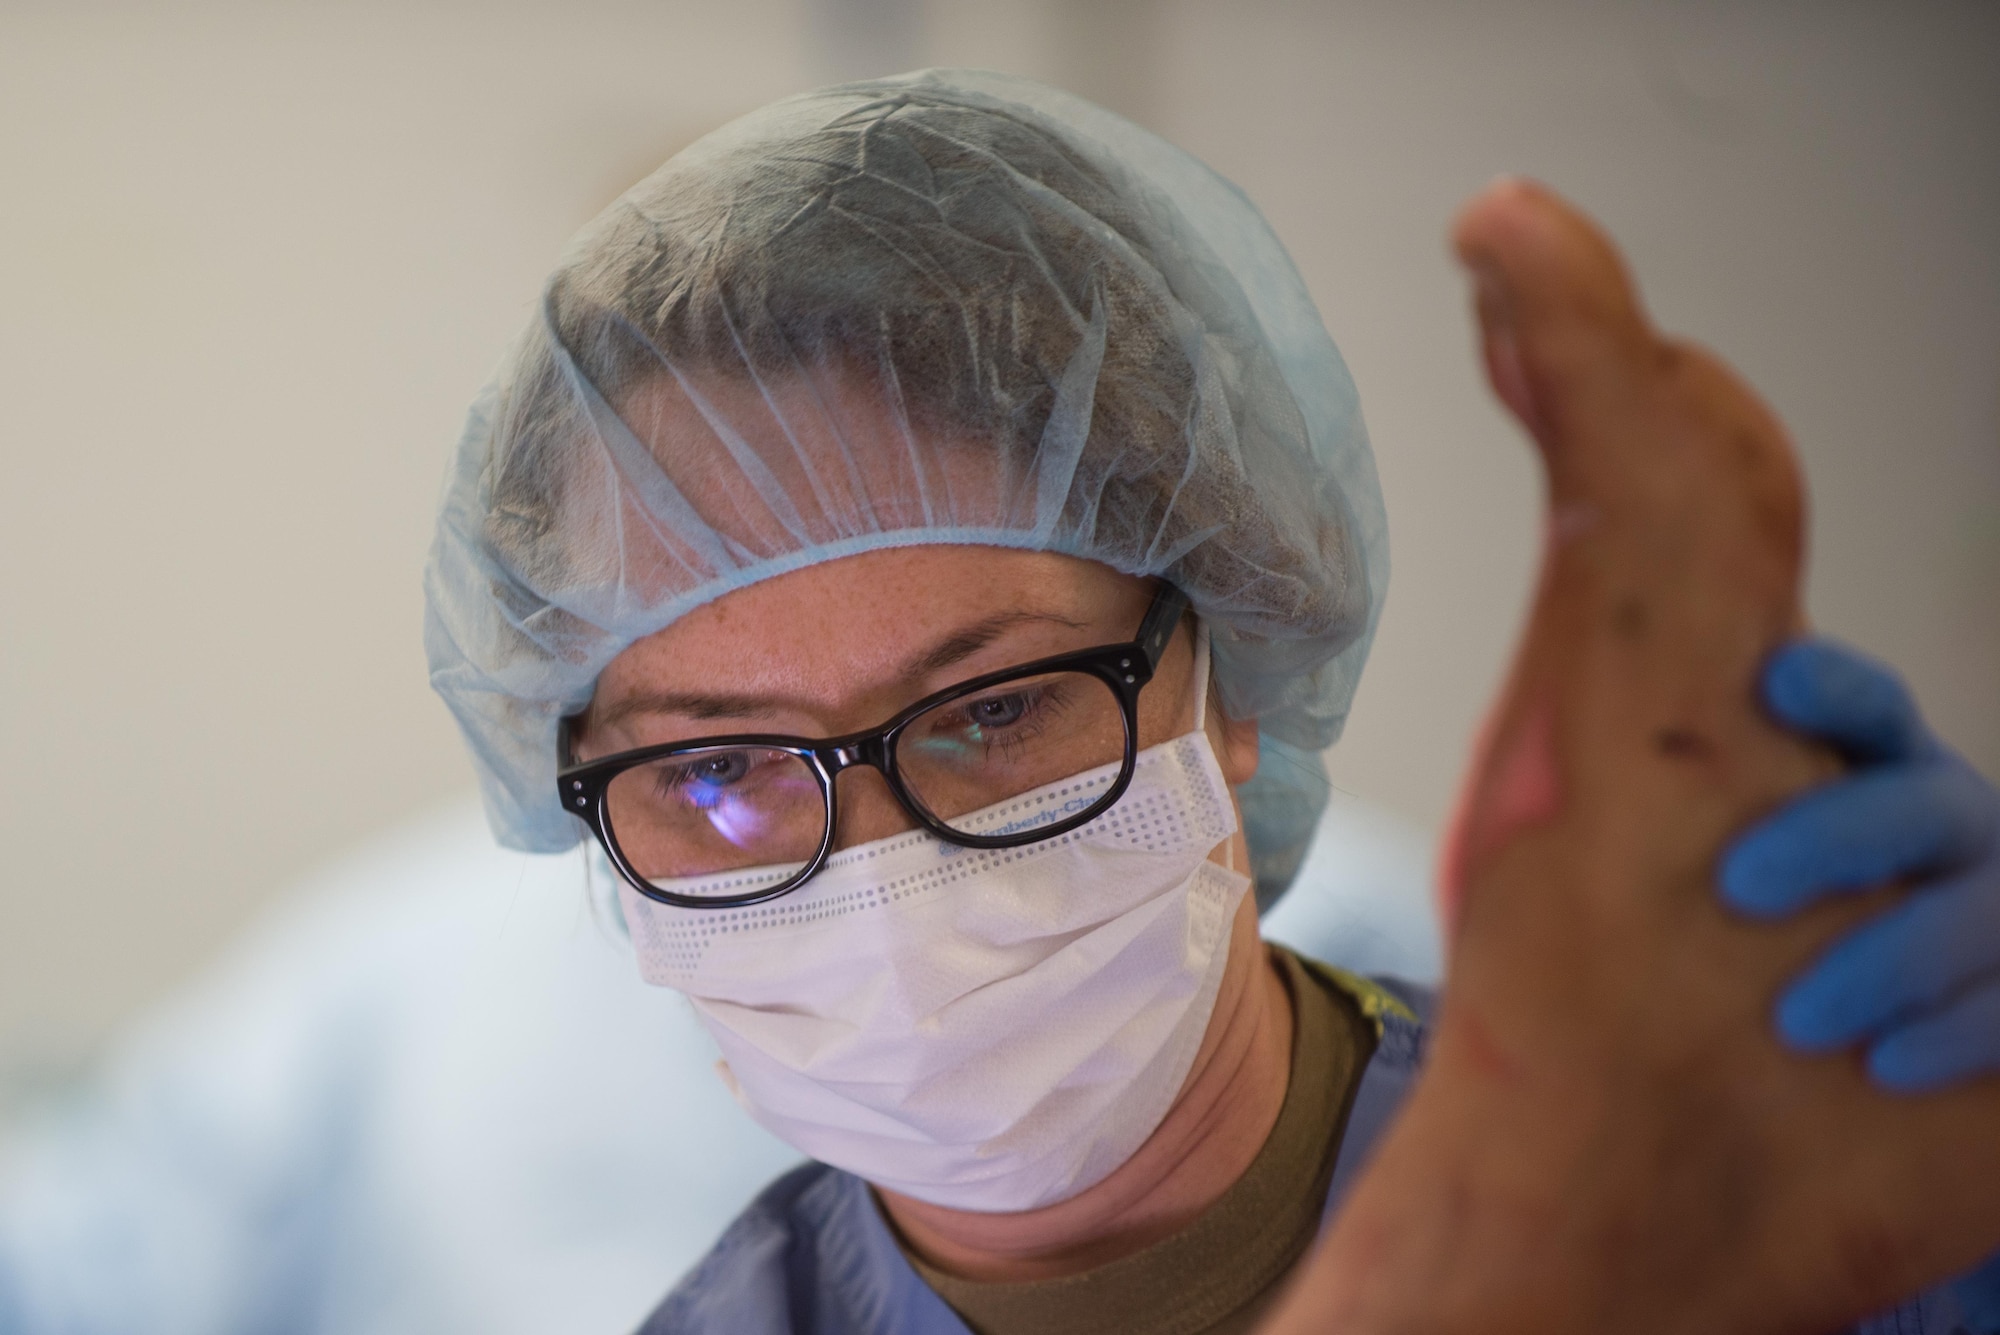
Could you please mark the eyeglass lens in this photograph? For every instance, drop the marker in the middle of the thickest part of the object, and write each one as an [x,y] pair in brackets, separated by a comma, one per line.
[684,820]
[980,750]
[692,814]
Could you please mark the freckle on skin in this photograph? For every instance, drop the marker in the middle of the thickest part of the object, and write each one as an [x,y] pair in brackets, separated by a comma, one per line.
[1678,742]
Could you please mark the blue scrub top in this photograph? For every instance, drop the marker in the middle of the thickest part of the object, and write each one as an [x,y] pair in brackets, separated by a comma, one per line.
[812,1254]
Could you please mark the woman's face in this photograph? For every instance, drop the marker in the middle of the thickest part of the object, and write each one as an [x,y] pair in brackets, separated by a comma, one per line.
[844,646]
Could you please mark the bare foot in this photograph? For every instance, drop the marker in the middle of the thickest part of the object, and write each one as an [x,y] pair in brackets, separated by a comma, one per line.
[1607,1137]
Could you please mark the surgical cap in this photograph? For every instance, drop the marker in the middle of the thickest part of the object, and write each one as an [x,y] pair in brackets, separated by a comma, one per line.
[1080,339]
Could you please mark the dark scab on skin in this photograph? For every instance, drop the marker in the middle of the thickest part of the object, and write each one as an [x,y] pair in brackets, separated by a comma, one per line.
[1677,742]
[1630,618]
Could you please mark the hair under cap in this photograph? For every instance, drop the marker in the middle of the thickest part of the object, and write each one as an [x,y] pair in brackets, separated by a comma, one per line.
[1086,340]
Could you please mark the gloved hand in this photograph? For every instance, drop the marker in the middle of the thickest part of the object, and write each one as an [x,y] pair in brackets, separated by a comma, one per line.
[1920,983]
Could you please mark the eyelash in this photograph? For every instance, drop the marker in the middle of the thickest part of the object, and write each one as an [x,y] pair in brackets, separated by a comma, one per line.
[671,780]
[1045,705]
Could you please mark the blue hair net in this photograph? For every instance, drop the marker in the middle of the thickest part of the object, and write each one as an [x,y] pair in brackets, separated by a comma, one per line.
[1085,342]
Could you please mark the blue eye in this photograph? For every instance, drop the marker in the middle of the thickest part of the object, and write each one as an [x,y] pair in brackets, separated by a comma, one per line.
[701,779]
[980,727]
[998,711]
[718,771]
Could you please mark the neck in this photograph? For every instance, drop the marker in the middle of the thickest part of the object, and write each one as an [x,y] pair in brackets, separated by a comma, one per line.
[1218,1123]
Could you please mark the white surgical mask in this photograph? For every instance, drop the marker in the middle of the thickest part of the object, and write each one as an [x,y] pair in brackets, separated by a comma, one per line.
[984,1029]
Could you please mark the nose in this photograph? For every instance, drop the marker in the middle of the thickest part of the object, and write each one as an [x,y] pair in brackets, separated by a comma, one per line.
[866,809]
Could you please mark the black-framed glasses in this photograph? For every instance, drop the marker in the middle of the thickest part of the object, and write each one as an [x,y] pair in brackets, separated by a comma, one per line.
[720,822]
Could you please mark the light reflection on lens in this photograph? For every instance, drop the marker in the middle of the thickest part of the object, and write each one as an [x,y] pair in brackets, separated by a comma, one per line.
[717,809]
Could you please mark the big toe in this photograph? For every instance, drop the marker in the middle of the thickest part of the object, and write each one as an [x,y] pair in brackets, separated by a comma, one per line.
[1567,343]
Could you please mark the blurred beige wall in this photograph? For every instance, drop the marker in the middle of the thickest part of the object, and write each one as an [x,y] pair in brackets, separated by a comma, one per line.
[254,260]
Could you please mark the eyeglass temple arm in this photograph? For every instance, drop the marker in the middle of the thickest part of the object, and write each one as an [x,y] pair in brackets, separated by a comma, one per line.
[1169,604]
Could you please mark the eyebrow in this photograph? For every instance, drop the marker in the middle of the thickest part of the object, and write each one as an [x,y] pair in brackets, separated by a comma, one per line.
[954,648]
[962,644]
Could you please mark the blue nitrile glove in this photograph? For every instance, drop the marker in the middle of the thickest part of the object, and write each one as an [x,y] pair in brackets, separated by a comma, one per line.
[1978,1297]
[1919,984]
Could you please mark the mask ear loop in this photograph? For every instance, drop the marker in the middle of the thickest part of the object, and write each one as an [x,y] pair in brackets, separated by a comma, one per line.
[1201,681]
[1200,675]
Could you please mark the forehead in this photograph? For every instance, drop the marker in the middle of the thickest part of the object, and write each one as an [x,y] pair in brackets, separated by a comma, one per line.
[855,622]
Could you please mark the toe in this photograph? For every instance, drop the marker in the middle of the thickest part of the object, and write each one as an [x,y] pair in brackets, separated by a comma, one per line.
[1560,317]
